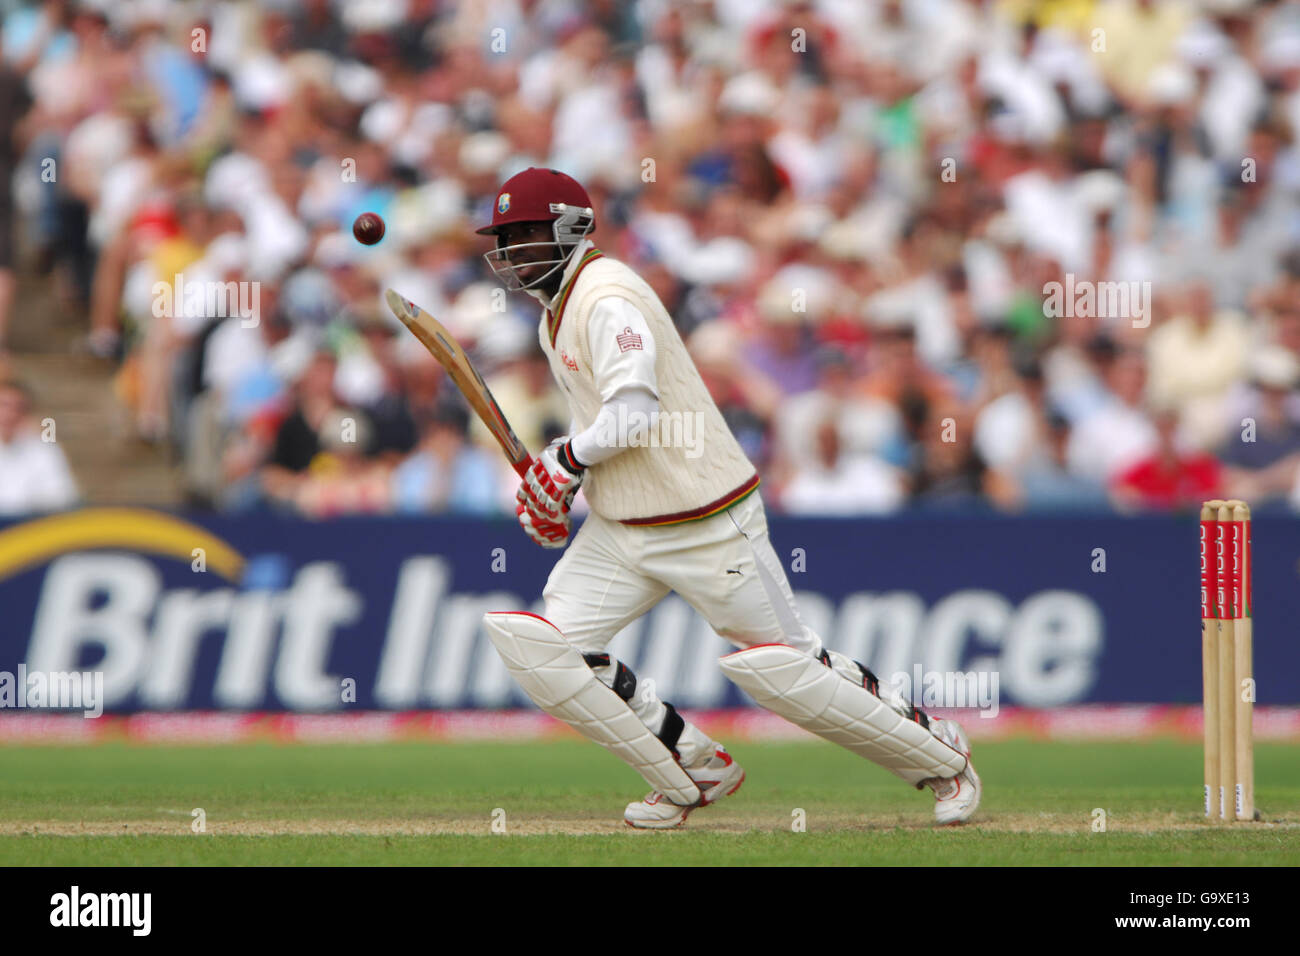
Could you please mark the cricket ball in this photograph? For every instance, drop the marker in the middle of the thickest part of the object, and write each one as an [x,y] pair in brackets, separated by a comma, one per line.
[368,228]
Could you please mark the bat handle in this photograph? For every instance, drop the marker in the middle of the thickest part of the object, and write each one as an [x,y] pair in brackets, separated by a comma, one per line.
[522,466]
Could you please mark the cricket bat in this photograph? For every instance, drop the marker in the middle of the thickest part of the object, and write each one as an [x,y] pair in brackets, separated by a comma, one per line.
[452,357]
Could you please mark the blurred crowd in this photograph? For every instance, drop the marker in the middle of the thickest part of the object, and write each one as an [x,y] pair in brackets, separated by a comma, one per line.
[854,210]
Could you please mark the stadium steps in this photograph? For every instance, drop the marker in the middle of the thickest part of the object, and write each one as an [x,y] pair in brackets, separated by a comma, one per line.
[111,466]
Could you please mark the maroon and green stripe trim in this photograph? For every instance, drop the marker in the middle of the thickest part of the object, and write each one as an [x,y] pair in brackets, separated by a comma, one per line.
[553,320]
[697,514]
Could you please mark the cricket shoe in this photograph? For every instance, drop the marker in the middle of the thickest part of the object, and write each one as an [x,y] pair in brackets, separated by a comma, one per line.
[719,776]
[955,798]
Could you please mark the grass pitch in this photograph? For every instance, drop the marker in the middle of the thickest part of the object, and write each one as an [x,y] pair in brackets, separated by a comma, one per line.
[561,803]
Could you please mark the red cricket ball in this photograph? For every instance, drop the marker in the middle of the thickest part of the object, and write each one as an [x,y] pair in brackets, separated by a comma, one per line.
[368,228]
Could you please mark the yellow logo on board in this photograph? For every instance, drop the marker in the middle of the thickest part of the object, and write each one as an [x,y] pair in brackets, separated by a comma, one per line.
[41,540]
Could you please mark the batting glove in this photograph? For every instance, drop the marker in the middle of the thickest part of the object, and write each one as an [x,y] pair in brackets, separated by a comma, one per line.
[547,533]
[553,480]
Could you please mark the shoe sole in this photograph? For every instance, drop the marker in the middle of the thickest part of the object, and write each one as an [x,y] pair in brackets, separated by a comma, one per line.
[656,826]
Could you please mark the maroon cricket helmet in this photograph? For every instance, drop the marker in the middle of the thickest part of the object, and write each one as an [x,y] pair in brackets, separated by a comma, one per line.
[537,195]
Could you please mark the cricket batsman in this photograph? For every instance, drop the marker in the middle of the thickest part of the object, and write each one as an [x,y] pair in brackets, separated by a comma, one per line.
[666,517]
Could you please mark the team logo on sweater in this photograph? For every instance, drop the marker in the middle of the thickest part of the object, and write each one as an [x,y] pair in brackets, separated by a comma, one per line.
[628,340]
[569,361]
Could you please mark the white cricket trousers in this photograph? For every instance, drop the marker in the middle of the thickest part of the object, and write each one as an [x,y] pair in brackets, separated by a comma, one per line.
[723,566]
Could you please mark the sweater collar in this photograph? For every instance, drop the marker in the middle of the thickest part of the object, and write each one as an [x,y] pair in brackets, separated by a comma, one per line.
[582,257]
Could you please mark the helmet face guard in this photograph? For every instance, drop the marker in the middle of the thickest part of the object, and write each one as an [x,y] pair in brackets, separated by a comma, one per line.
[568,229]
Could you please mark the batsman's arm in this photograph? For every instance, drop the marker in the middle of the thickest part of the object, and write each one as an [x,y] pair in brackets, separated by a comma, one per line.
[623,355]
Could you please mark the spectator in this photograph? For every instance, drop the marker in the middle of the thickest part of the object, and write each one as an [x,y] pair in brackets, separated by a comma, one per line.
[34,475]
[866,425]
[949,474]
[342,477]
[1170,478]
[832,483]
[1120,433]
[1266,422]
[1194,358]
[299,439]
[1047,484]
[14,104]
[445,472]
[1262,452]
